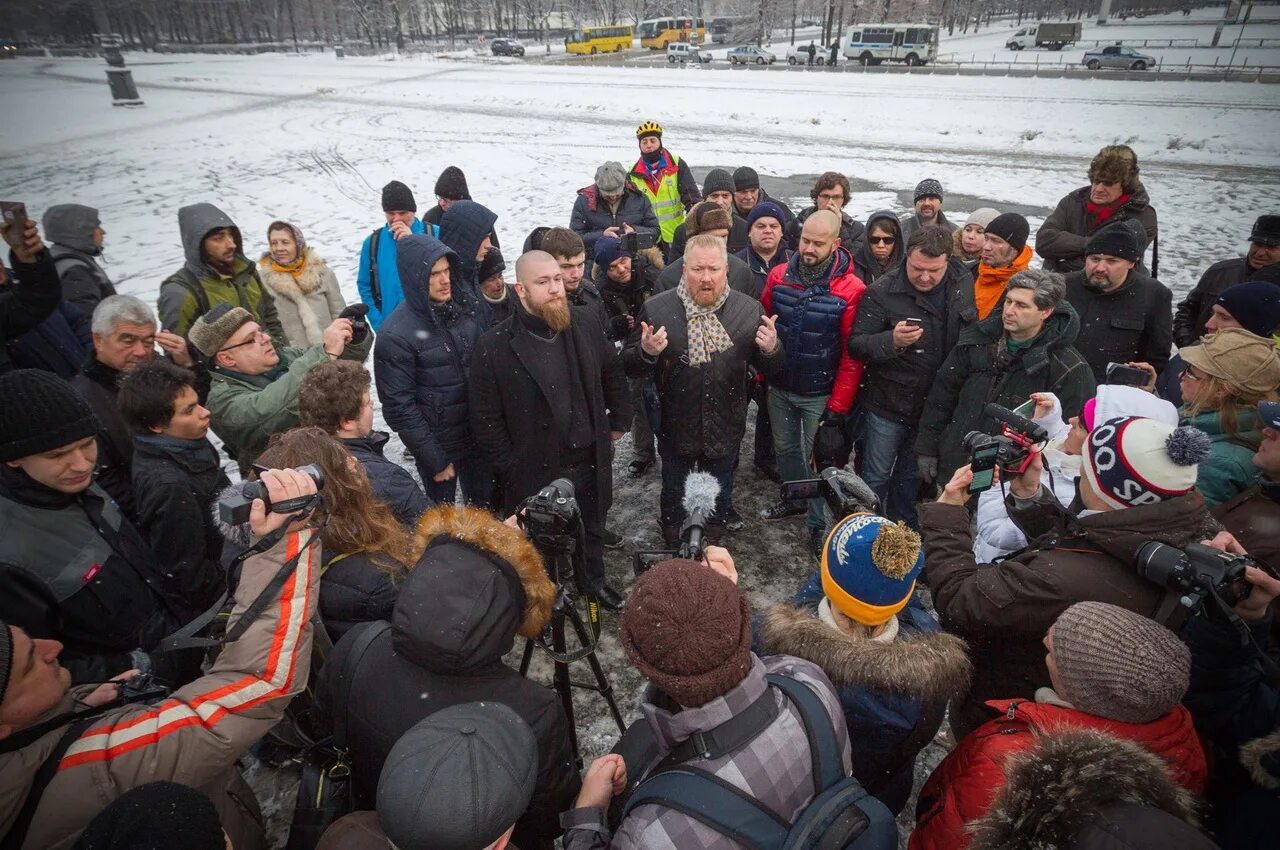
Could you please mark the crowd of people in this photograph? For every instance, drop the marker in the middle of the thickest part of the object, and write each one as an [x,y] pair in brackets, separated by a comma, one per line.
[1059,534]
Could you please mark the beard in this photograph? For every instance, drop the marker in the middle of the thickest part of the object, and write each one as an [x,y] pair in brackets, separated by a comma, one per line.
[555,314]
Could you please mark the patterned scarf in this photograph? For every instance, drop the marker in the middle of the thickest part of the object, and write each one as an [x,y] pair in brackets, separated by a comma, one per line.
[707,337]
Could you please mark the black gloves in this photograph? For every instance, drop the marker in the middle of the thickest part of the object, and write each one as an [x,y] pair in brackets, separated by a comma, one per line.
[831,446]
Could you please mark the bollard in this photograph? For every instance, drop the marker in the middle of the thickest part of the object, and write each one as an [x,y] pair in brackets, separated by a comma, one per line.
[123,90]
[339,52]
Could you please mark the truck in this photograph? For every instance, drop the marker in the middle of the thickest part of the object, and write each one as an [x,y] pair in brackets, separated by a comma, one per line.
[1053,36]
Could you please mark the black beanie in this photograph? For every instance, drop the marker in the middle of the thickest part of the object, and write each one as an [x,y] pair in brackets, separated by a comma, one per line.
[491,264]
[40,412]
[396,197]
[452,185]
[1123,239]
[745,178]
[156,816]
[1012,228]
[718,180]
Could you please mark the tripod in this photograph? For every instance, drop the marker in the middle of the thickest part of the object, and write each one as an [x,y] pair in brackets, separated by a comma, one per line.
[556,550]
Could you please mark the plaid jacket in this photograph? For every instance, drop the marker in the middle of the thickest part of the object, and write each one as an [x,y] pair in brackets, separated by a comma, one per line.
[774,768]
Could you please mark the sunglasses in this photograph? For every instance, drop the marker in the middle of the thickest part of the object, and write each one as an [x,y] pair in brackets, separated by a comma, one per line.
[881,240]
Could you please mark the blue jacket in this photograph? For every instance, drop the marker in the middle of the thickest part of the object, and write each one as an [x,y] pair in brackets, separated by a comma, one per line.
[390,291]
[60,344]
[894,694]
[421,365]
[391,482]
[462,228]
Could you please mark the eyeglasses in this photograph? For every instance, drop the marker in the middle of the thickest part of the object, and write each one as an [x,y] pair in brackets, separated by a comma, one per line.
[1189,375]
[881,240]
[827,196]
[256,337]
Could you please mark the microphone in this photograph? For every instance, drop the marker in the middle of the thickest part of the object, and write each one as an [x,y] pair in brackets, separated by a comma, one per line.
[700,492]
[1021,424]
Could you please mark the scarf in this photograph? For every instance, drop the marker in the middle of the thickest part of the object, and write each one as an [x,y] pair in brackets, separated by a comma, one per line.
[1100,213]
[295,268]
[707,337]
[809,275]
[989,286]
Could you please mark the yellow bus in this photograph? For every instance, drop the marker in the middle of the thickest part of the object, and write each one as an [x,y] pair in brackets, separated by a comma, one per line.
[657,33]
[598,40]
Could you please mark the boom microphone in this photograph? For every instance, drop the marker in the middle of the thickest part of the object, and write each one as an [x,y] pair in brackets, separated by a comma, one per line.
[701,489]
[1021,424]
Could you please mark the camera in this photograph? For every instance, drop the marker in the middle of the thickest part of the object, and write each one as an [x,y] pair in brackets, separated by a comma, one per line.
[1010,449]
[553,522]
[233,507]
[359,326]
[1197,572]
[143,688]
[844,492]
[633,242]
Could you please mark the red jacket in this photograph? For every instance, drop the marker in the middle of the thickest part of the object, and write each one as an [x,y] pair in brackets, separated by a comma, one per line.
[965,784]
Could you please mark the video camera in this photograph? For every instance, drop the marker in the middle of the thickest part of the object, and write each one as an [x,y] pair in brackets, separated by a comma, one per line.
[233,507]
[844,492]
[1198,572]
[1010,450]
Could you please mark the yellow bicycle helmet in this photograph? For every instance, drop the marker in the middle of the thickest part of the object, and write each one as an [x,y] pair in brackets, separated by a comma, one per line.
[648,128]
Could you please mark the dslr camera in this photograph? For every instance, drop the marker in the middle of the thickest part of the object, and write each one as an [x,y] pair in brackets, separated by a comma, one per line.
[1198,572]
[233,507]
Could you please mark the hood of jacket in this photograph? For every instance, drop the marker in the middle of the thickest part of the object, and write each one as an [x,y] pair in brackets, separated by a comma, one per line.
[1177,522]
[72,225]
[476,586]
[864,256]
[463,227]
[1060,331]
[1068,781]
[929,667]
[195,222]
[415,255]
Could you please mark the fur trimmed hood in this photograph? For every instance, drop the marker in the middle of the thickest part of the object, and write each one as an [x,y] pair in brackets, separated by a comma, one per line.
[930,667]
[1261,757]
[1063,784]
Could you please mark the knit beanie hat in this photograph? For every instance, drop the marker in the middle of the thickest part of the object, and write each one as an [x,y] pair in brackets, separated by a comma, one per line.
[1255,304]
[611,178]
[1012,228]
[687,629]
[1114,401]
[6,657]
[608,249]
[212,330]
[766,209]
[40,412]
[1123,239]
[1116,664]
[1240,358]
[155,816]
[707,215]
[869,567]
[1130,461]
[452,184]
[459,779]
[982,217]
[491,264]
[717,180]
[744,178]
[927,188]
[397,197]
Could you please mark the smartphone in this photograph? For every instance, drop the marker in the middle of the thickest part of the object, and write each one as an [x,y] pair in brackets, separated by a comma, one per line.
[798,491]
[983,465]
[15,216]
[915,323]
[1126,376]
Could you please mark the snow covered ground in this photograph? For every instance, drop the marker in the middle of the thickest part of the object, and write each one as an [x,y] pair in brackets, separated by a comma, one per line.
[312,139]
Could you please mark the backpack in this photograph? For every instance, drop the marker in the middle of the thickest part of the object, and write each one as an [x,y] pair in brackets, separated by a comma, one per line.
[840,815]
[374,289]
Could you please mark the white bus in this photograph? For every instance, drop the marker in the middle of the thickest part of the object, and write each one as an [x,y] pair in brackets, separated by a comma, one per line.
[871,44]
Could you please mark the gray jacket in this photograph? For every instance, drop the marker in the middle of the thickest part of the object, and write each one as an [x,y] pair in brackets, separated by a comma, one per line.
[69,229]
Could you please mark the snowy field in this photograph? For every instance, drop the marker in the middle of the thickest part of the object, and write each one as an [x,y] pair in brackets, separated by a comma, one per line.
[312,139]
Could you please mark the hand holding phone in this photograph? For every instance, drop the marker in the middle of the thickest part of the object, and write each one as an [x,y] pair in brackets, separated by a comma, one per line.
[907,333]
[983,465]
[1126,376]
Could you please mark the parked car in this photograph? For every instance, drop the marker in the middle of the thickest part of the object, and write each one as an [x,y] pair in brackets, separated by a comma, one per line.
[749,54]
[798,54]
[1117,56]
[682,51]
[8,49]
[506,47]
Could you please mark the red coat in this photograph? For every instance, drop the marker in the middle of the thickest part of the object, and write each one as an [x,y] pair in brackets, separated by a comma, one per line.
[964,785]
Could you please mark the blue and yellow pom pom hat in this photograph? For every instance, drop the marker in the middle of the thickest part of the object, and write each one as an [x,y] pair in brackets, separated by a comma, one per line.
[869,567]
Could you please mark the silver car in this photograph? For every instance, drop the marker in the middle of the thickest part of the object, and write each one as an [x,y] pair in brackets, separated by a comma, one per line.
[1117,56]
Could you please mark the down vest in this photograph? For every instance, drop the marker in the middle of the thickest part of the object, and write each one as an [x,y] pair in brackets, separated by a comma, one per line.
[421,358]
[814,323]
[965,784]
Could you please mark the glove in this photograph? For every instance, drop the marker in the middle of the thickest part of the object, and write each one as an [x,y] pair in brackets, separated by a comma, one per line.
[831,445]
[928,467]
[359,327]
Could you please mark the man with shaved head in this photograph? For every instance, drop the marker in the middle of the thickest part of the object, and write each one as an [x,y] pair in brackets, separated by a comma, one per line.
[815,299]
[548,395]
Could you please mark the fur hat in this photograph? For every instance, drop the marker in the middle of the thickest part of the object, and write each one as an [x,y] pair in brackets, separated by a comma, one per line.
[1238,357]
[745,177]
[687,629]
[927,188]
[1130,461]
[1255,304]
[212,330]
[707,215]
[1116,664]
[1115,164]
[869,567]
[39,412]
[1012,228]
[611,178]
[396,197]
[1124,239]
[717,180]
[452,185]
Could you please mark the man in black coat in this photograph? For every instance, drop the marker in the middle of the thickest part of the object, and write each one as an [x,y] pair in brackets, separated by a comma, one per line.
[75,242]
[478,584]
[548,394]
[1125,315]
[465,228]
[908,321]
[709,218]
[698,341]
[717,187]
[1261,262]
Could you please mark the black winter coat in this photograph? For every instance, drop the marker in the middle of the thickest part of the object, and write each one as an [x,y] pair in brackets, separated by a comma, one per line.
[355,590]
[590,217]
[624,301]
[455,617]
[511,414]
[851,231]
[1062,237]
[98,384]
[759,268]
[895,383]
[60,344]
[463,227]
[84,283]
[390,481]
[27,304]
[1195,309]
[704,408]
[589,297]
[176,482]
[866,266]
[740,277]
[738,240]
[420,362]
[1135,322]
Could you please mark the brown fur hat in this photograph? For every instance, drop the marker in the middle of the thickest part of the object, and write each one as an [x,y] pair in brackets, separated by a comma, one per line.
[707,215]
[1115,164]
